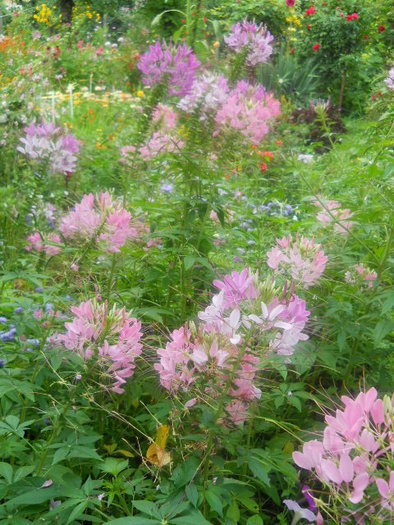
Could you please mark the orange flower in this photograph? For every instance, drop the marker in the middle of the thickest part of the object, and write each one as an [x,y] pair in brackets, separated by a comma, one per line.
[279,143]
[268,155]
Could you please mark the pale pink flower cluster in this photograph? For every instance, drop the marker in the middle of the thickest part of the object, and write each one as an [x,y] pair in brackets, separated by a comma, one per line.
[248,110]
[109,337]
[102,219]
[163,140]
[354,460]
[254,39]
[301,260]
[333,214]
[215,357]
[50,144]
[207,95]
[48,244]
[361,275]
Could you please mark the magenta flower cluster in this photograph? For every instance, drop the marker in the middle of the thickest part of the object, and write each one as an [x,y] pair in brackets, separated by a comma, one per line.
[354,460]
[109,337]
[46,143]
[249,111]
[300,260]
[255,40]
[175,65]
[216,357]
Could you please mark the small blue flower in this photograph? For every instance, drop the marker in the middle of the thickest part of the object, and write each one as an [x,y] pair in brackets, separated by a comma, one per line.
[33,342]
[2,363]
[39,289]
[167,188]
[3,320]
[18,310]
[48,307]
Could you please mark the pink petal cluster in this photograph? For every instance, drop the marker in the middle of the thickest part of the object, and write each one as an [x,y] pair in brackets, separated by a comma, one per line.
[390,79]
[47,143]
[355,454]
[207,95]
[161,142]
[333,214]
[361,275]
[204,358]
[301,260]
[255,39]
[103,219]
[164,116]
[237,287]
[49,244]
[110,337]
[248,110]
[176,65]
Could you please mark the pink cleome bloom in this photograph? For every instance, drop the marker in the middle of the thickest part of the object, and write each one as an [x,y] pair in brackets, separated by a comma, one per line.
[109,337]
[237,287]
[176,65]
[103,219]
[361,275]
[202,358]
[249,111]
[253,38]
[46,143]
[161,142]
[165,116]
[333,214]
[302,260]
[353,456]
[49,244]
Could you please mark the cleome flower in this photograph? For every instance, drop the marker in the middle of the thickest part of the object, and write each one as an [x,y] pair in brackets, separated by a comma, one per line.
[46,143]
[301,260]
[248,110]
[176,65]
[111,338]
[254,39]
[353,458]
[224,353]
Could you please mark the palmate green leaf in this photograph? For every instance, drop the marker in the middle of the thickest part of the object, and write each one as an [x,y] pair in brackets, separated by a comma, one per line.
[114,466]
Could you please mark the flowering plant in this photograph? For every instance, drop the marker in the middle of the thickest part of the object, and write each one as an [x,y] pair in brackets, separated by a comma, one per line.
[354,460]
[245,322]
[110,338]
[46,143]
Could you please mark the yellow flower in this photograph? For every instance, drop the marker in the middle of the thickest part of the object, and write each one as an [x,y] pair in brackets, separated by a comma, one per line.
[216,44]
[140,94]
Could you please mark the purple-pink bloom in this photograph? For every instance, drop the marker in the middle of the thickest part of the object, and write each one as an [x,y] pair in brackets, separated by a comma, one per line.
[333,214]
[237,287]
[255,39]
[176,65]
[306,514]
[207,95]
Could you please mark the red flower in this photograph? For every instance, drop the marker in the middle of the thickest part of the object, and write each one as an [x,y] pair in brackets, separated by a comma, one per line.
[355,16]
[279,142]
[316,47]
[365,37]
[290,3]
[263,167]
[381,29]
[292,51]
[341,15]
[308,26]
[349,18]
[311,11]
[204,19]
